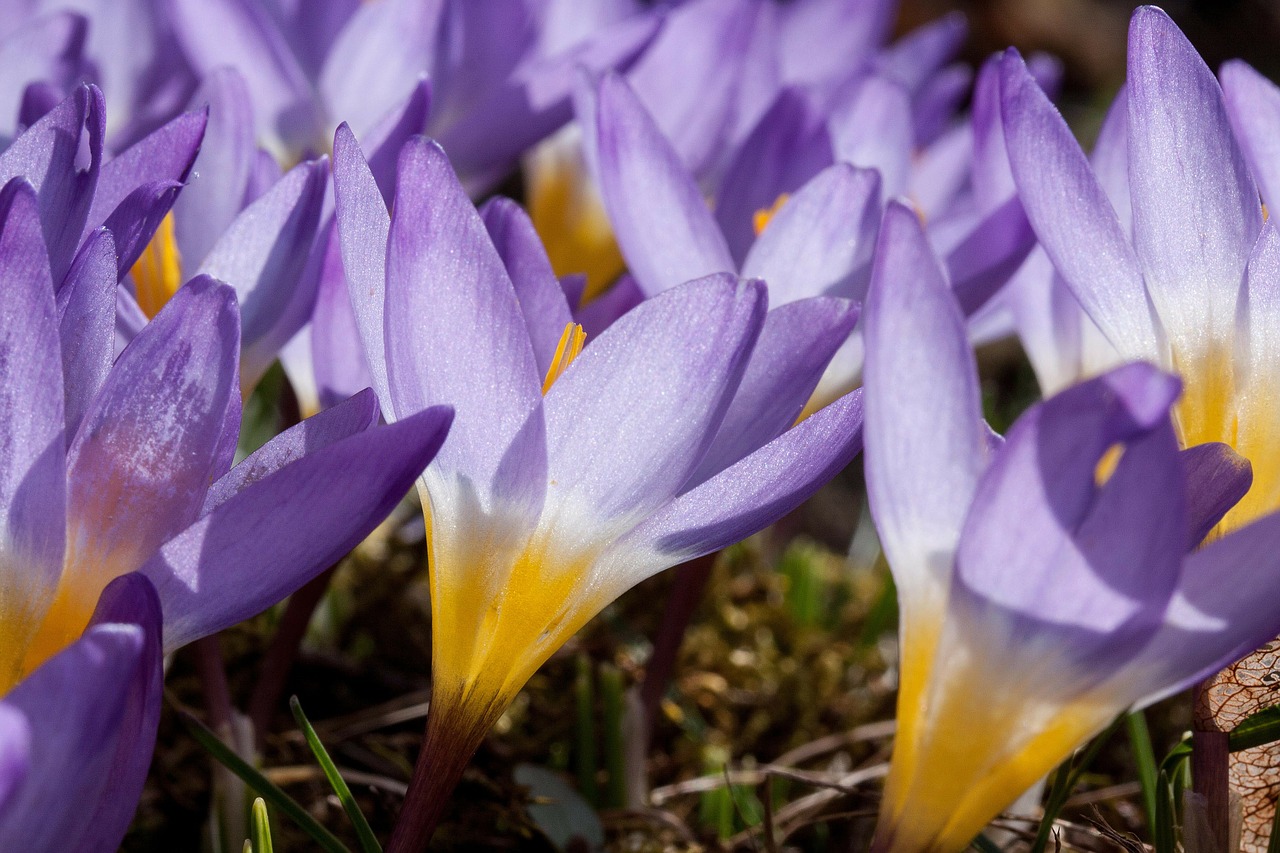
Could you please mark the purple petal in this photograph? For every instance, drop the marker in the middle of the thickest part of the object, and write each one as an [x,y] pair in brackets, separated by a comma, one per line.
[917,56]
[847,32]
[240,34]
[76,705]
[1216,479]
[1071,215]
[603,311]
[351,416]
[163,156]
[487,40]
[130,600]
[337,359]
[632,388]
[1049,556]
[139,467]
[796,343]
[1195,216]
[15,753]
[220,176]
[989,256]
[755,491]
[1253,105]
[46,156]
[363,229]
[819,243]
[1110,159]
[688,77]
[278,533]
[134,221]
[662,223]
[787,147]
[378,59]
[546,313]
[535,102]
[32,468]
[925,440]
[263,254]
[872,128]
[941,173]
[46,48]
[312,27]
[936,106]
[391,133]
[455,333]
[86,321]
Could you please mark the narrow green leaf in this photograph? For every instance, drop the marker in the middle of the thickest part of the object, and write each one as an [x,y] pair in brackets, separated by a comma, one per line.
[248,846]
[368,842]
[262,785]
[615,760]
[1163,834]
[261,827]
[1144,756]
[1257,730]
[584,753]
[1273,843]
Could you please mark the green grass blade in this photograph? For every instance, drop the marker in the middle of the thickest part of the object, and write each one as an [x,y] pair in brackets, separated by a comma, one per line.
[1145,757]
[1163,835]
[1273,844]
[984,844]
[584,753]
[262,785]
[368,842]
[1257,729]
[614,705]
[261,827]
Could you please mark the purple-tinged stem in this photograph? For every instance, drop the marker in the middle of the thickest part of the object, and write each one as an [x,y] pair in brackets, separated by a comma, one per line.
[687,590]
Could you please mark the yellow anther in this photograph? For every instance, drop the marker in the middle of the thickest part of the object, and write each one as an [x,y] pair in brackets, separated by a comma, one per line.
[762,217]
[1107,465]
[157,274]
[570,346]
[1265,213]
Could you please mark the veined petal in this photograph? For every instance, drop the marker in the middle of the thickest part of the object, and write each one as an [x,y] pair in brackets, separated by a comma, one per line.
[129,601]
[86,323]
[796,343]
[1195,216]
[689,75]
[455,334]
[656,385]
[46,155]
[989,255]
[1253,105]
[134,221]
[819,243]
[32,468]
[349,417]
[150,443]
[787,147]
[378,58]
[1216,478]
[263,254]
[1110,159]
[334,351]
[1071,215]
[749,495]
[240,34]
[219,179]
[926,443]
[663,226]
[389,135]
[166,155]
[542,301]
[871,127]
[363,229]
[76,706]
[279,532]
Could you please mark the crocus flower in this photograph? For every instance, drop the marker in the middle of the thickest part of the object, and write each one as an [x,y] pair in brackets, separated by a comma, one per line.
[542,510]
[115,467]
[497,88]
[1169,257]
[1044,586]
[76,735]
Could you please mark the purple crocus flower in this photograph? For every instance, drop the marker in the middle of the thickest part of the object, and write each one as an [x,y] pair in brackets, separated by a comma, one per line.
[1045,587]
[76,735]
[1170,258]
[117,467]
[657,444]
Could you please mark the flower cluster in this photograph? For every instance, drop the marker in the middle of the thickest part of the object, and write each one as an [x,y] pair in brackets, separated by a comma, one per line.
[755,233]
